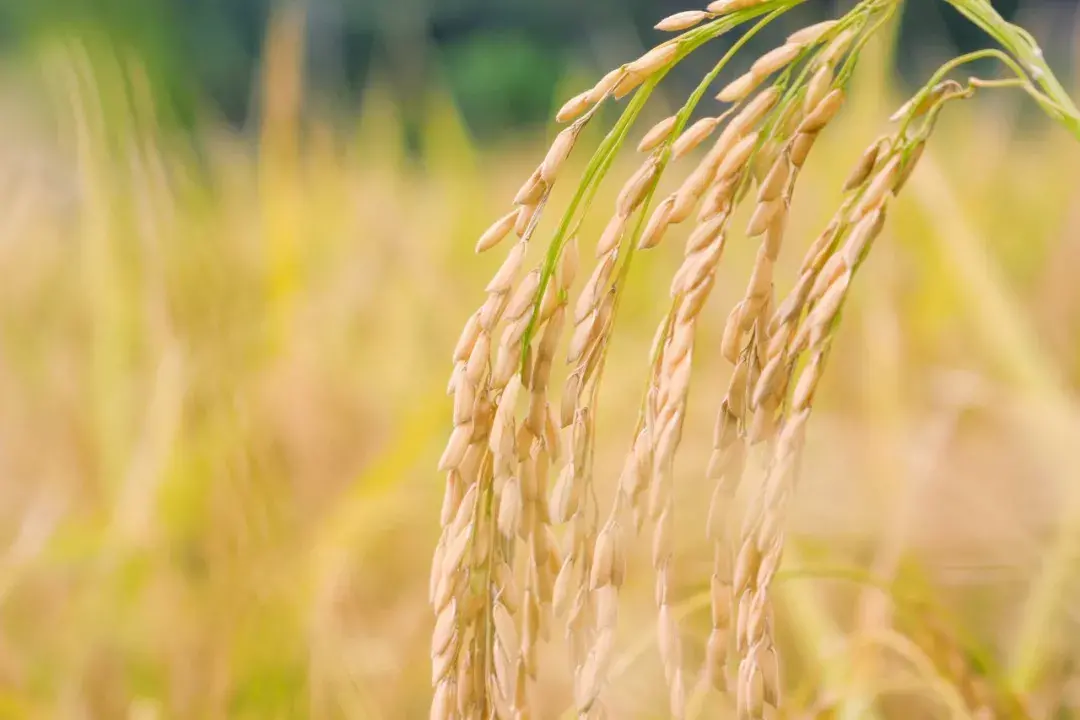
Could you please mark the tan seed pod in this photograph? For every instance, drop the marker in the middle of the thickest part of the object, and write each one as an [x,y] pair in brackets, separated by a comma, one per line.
[763,216]
[811,33]
[682,206]
[763,425]
[587,681]
[503,686]
[451,500]
[564,582]
[755,110]
[775,59]
[681,341]
[677,694]
[833,268]
[760,280]
[465,513]
[775,183]
[823,112]
[503,279]
[631,482]
[769,381]
[478,359]
[612,235]
[498,230]
[445,627]
[716,654]
[468,338]
[668,635]
[455,551]
[658,224]
[456,447]
[678,384]
[880,186]
[594,288]
[736,159]
[718,200]
[825,311]
[752,693]
[696,182]
[582,338]
[663,539]
[739,88]
[603,567]
[574,108]
[659,132]
[581,435]
[788,121]
[909,166]
[564,497]
[548,303]
[464,400]
[694,136]
[606,84]
[628,82]
[731,340]
[746,565]
[801,147]
[819,86]
[455,377]
[774,236]
[867,161]
[524,297]
[491,310]
[571,390]
[526,215]
[705,173]
[705,233]
[503,575]
[838,47]
[722,7]
[765,157]
[531,192]
[557,154]
[442,704]
[505,628]
[607,612]
[699,265]
[552,441]
[654,60]
[695,300]
[633,193]
[569,260]
[862,235]
[681,21]
[510,509]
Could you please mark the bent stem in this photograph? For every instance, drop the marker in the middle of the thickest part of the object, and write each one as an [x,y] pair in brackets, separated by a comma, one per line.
[1022,45]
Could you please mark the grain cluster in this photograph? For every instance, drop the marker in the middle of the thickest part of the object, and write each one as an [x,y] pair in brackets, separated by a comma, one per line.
[526,550]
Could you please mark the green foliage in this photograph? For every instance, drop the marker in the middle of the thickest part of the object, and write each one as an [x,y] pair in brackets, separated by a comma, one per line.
[501,80]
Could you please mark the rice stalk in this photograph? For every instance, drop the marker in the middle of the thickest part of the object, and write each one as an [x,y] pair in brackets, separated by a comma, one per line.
[499,576]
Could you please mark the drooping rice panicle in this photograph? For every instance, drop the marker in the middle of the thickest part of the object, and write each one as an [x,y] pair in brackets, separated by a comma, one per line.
[809,317]
[501,569]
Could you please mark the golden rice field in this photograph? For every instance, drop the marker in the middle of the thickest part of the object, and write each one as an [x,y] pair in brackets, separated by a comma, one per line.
[222,404]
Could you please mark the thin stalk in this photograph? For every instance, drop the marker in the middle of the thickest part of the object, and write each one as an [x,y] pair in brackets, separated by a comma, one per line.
[1020,43]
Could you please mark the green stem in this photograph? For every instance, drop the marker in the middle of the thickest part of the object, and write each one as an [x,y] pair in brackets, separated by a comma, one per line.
[1020,43]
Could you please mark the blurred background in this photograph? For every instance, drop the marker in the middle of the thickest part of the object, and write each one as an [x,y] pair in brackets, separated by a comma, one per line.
[235,253]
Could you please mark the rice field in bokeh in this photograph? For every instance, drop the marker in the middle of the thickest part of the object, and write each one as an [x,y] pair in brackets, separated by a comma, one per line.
[222,374]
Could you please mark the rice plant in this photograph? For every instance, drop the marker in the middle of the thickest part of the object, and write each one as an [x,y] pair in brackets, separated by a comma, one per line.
[527,549]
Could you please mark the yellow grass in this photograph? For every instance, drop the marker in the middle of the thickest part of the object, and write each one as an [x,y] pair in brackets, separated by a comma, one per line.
[221,406]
